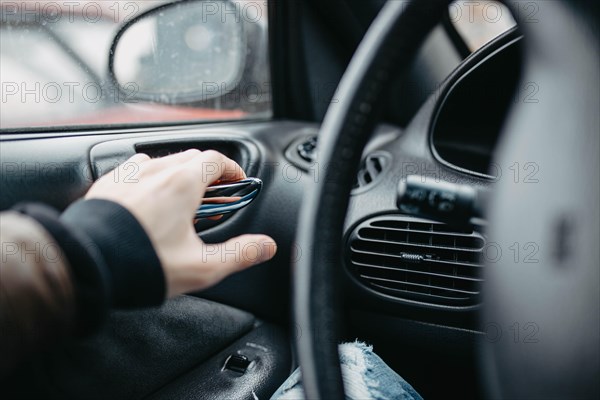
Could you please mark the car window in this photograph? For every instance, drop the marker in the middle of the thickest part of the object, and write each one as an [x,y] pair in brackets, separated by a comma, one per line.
[478,22]
[173,62]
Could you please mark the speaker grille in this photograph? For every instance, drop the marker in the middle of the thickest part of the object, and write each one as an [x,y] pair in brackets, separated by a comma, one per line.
[417,259]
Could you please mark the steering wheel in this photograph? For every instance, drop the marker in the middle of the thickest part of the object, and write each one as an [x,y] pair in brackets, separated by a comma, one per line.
[558,214]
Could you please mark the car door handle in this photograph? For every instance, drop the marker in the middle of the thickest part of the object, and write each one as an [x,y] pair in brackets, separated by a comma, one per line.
[228,198]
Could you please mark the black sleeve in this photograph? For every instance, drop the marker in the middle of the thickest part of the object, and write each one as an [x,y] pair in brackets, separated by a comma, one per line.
[112,258]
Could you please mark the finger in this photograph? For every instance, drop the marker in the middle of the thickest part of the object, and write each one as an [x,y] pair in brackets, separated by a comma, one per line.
[211,263]
[215,218]
[213,166]
[134,161]
[239,253]
[129,169]
[220,200]
[173,159]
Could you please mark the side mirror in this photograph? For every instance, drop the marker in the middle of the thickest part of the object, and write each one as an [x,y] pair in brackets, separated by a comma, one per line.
[177,53]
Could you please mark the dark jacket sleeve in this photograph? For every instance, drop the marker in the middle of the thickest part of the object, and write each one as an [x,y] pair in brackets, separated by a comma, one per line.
[61,274]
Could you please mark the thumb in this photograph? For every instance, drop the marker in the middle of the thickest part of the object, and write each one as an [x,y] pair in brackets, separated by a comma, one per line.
[240,253]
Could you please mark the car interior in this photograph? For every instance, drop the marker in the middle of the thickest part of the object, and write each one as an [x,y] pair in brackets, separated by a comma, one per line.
[429,170]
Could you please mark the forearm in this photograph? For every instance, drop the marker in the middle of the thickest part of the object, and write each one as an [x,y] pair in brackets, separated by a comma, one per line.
[37,294]
[61,274]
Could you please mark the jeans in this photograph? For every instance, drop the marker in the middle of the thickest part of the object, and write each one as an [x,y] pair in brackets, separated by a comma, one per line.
[365,376]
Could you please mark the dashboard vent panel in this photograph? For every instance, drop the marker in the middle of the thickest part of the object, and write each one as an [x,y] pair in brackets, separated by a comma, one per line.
[372,169]
[416,259]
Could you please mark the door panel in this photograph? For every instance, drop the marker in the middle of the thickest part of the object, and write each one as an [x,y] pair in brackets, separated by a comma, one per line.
[57,169]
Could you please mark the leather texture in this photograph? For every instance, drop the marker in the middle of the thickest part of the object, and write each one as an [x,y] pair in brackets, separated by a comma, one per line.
[268,349]
[138,352]
[388,47]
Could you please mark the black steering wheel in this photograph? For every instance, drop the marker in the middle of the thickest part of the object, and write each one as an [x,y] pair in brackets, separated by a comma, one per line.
[558,214]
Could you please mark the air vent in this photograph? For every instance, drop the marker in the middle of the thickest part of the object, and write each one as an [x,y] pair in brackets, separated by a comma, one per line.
[417,259]
[371,169]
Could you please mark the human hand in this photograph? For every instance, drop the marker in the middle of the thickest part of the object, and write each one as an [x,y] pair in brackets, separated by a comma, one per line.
[164,195]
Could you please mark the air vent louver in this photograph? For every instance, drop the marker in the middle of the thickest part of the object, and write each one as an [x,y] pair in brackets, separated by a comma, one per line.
[417,259]
[371,169]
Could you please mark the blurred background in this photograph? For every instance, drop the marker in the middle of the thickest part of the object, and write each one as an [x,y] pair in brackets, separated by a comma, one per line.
[54,63]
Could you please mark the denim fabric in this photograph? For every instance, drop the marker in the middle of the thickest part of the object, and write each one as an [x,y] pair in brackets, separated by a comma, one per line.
[365,376]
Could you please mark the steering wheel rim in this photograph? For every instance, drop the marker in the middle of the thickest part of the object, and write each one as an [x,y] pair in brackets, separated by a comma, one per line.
[391,42]
[389,46]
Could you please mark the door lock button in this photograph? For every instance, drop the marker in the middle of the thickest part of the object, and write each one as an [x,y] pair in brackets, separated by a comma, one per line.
[237,363]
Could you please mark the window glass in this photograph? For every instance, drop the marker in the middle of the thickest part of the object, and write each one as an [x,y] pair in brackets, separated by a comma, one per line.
[478,22]
[175,61]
